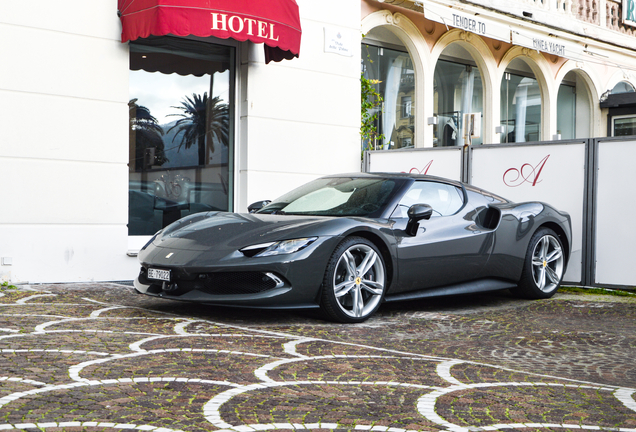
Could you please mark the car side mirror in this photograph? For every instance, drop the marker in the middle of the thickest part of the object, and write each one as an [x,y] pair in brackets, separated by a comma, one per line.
[416,213]
[256,206]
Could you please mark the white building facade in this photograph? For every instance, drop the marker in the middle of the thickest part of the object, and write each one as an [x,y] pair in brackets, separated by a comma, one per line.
[527,70]
[79,198]
[101,146]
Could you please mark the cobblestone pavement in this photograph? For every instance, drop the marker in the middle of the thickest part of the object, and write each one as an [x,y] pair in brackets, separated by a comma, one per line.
[97,357]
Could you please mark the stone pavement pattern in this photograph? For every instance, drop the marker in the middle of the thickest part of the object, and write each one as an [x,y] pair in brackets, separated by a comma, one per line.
[97,357]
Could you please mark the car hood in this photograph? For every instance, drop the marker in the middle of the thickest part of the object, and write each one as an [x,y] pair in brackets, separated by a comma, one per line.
[235,230]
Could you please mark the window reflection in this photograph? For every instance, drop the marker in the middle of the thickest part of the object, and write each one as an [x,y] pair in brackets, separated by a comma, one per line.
[181,141]
[445,199]
[520,108]
[458,91]
[622,87]
[566,111]
[395,76]
[624,125]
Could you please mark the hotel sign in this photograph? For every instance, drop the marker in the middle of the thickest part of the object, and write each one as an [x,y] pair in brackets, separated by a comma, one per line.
[629,12]
[238,25]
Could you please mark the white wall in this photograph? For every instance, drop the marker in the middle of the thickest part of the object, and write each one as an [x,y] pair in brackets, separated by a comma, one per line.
[64,117]
[301,118]
[64,145]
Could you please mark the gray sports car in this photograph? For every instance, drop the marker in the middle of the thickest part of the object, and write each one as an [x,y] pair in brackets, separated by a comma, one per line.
[347,243]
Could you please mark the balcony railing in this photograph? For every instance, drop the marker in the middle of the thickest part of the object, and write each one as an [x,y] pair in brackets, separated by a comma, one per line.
[570,15]
[603,13]
[586,10]
[614,17]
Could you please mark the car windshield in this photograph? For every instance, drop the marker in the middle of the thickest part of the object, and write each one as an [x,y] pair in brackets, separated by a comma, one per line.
[335,196]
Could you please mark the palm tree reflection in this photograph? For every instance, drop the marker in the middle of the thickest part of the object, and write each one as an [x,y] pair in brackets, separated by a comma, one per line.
[202,118]
[146,137]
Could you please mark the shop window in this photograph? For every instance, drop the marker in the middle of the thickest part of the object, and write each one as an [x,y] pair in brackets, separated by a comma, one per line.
[520,108]
[181,140]
[624,125]
[458,93]
[394,77]
[566,111]
[574,107]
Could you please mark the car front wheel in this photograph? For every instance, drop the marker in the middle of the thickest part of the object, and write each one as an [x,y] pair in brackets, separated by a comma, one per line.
[354,282]
[543,268]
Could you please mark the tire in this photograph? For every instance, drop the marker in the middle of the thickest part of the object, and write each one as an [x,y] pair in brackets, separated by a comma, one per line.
[543,267]
[355,281]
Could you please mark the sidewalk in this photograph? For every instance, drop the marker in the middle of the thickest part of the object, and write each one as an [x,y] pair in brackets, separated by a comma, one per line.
[98,356]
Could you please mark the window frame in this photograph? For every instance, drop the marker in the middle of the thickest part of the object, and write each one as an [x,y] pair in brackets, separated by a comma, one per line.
[399,108]
[619,117]
[460,192]
[135,242]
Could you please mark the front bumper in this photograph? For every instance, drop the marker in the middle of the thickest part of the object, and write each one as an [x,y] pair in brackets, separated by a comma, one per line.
[278,282]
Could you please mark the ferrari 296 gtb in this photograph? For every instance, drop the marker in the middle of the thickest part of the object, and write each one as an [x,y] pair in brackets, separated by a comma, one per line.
[347,243]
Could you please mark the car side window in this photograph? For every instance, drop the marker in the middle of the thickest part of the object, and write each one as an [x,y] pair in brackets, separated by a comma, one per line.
[445,199]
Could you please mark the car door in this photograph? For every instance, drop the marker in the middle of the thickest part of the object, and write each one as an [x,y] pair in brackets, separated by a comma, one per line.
[448,248]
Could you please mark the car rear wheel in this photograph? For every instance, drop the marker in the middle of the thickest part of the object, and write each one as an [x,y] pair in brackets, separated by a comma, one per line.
[543,268]
[354,282]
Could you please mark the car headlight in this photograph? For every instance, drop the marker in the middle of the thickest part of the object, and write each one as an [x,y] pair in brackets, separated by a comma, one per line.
[278,248]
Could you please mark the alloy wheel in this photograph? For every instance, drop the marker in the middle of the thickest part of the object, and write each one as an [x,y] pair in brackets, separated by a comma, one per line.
[358,282]
[547,263]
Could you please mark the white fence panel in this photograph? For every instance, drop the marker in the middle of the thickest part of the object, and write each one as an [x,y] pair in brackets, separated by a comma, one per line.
[551,173]
[441,162]
[616,200]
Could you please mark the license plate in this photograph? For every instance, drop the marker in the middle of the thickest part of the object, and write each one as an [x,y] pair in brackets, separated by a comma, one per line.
[163,275]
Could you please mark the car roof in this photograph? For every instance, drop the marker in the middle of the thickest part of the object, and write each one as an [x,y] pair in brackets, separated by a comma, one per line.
[387,175]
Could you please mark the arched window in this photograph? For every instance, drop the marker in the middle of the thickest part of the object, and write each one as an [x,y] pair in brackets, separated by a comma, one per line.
[520,104]
[622,87]
[566,110]
[386,61]
[574,111]
[458,90]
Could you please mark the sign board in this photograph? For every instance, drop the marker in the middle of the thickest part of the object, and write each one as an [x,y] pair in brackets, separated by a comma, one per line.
[339,41]
[615,234]
[548,44]
[441,162]
[477,24]
[550,173]
[629,12]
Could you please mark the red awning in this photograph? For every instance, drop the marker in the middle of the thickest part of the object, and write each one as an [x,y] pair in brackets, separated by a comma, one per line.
[275,23]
